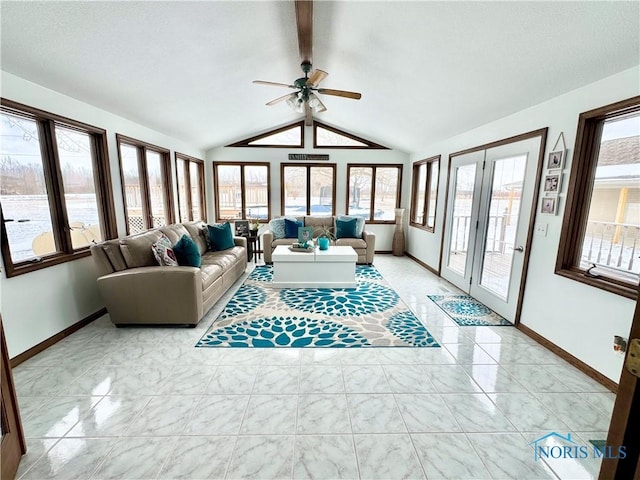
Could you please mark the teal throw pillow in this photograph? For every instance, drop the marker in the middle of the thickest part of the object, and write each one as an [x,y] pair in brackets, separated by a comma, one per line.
[291,228]
[277,228]
[220,236]
[359,223]
[187,253]
[346,228]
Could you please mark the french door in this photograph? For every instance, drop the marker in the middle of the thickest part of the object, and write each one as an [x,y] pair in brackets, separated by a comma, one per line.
[490,199]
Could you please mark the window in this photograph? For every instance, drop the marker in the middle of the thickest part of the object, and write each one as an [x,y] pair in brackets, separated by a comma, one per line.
[242,191]
[424,193]
[55,188]
[146,177]
[289,136]
[190,180]
[325,136]
[600,236]
[374,191]
[308,189]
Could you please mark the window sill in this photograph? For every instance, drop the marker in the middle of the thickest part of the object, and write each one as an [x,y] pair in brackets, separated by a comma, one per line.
[603,283]
[422,227]
[49,261]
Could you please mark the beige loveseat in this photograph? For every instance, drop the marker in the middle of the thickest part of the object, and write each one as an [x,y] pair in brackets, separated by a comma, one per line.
[364,247]
[136,290]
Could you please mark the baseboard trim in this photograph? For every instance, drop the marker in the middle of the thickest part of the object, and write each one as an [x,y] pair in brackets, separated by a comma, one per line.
[27,354]
[576,362]
[382,252]
[421,263]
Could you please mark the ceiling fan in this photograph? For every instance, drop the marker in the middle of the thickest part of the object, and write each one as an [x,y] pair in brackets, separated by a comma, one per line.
[304,99]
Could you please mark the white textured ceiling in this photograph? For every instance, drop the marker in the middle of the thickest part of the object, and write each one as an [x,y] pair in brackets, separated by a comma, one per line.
[426,70]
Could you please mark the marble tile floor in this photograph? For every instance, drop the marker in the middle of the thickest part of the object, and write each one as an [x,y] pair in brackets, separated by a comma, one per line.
[143,403]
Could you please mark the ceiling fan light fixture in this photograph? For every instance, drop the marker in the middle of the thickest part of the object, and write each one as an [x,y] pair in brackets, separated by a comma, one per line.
[296,103]
[315,104]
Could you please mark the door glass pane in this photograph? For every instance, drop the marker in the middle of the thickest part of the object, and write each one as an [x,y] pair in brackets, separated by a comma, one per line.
[421,184]
[612,237]
[182,190]
[360,192]
[23,192]
[461,218]
[196,185]
[229,191]
[433,193]
[156,189]
[295,191]
[386,193]
[76,163]
[502,224]
[132,192]
[322,191]
[256,191]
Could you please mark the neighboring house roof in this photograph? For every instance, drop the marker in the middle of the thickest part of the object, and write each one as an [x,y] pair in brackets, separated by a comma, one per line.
[620,151]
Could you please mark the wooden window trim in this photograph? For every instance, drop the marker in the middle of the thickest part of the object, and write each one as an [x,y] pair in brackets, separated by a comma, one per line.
[374,167]
[369,145]
[308,166]
[581,176]
[428,162]
[46,122]
[165,168]
[246,142]
[187,176]
[242,191]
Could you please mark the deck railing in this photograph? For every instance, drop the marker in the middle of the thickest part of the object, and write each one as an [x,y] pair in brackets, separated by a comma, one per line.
[613,245]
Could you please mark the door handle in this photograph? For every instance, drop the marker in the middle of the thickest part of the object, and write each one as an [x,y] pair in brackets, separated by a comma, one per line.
[519,249]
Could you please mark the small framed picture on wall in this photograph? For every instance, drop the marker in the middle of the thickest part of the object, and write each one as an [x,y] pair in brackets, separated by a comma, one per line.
[552,182]
[549,205]
[555,160]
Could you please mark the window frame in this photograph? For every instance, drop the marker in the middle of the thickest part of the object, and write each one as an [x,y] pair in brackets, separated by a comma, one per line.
[308,166]
[187,180]
[428,162]
[242,189]
[374,167]
[46,122]
[246,143]
[368,144]
[581,179]
[165,167]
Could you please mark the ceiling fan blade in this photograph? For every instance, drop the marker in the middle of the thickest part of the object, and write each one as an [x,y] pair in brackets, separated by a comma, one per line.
[316,77]
[275,84]
[340,93]
[308,115]
[304,22]
[281,99]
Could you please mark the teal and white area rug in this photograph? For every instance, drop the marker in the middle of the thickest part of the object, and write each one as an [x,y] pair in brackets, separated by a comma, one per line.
[466,311]
[371,315]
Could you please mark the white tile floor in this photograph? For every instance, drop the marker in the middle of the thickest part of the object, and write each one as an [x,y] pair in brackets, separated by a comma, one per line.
[111,403]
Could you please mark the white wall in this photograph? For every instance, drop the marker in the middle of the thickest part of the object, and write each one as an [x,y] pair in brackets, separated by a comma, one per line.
[40,304]
[341,157]
[578,318]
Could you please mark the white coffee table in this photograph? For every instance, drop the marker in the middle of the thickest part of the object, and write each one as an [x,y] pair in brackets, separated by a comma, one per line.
[332,268]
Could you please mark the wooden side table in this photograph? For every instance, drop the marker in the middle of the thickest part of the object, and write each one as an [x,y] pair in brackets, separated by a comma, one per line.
[255,248]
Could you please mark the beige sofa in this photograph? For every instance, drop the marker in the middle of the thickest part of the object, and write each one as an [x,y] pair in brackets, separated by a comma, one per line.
[364,247]
[136,290]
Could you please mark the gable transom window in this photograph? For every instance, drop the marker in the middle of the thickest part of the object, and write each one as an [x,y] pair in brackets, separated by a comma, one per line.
[308,189]
[242,191]
[325,136]
[146,180]
[424,193]
[289,136]
[374,191]
[600,237]
[55,188]
[190,182]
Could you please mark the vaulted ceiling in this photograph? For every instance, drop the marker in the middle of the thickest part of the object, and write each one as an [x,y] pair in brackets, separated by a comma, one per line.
[426,70]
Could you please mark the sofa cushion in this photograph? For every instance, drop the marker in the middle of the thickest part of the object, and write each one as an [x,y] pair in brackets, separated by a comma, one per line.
[199,234]
[281,241]
[224,259]
[210,273]
[277,228]
[220,236]
[163,253]
[136,249]
[359,223]
[174,232]
[351,242]
[291,228]
[186,252]
[346,228]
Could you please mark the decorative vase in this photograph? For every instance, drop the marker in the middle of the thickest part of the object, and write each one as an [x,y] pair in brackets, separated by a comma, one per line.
[323,243]
[398,234]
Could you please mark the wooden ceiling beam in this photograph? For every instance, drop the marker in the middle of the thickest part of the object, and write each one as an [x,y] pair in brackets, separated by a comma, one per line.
[304,22]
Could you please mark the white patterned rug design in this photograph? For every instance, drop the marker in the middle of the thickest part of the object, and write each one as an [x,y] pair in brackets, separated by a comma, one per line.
[371,315]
